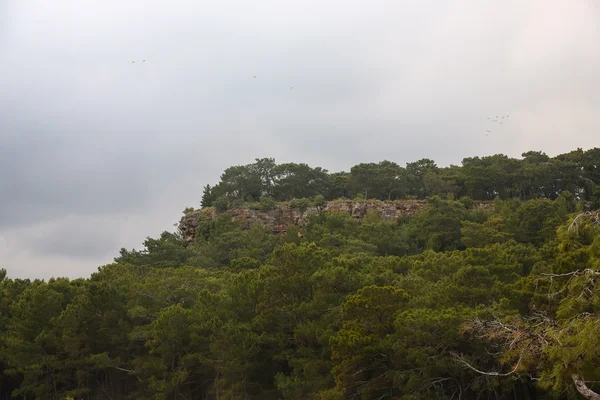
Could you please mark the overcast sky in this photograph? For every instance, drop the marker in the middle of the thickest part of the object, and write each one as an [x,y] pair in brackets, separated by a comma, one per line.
[97,152]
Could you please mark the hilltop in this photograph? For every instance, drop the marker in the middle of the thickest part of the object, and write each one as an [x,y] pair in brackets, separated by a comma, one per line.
[477,282]
[535,175]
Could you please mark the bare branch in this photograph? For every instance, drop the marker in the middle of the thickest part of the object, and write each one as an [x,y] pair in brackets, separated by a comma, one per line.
[129,371]
[578,272]
[493,373]
[594,215]
[571,275]
[583,389]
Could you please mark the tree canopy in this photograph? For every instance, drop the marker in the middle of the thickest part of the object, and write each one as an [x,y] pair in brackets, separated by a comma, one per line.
[535,175]
[454,302]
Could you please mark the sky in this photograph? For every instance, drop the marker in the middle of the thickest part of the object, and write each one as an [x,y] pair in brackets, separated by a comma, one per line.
[98,152]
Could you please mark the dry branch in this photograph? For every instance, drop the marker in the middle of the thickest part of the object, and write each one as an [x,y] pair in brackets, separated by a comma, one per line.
[593,215]
[493,373]
[583,389]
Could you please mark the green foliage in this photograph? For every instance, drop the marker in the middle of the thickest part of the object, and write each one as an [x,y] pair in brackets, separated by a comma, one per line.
[535,221]
[320,202]
[221,204]
[483,234]
[208,197]
[339,307]
[595,199]
[168,251]
[360,197]
[480,178]
[438,227]
[363,347]
[300,204]
[226,239]
[267,203]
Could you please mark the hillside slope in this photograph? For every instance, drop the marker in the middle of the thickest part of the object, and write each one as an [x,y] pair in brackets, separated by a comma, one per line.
[307,299]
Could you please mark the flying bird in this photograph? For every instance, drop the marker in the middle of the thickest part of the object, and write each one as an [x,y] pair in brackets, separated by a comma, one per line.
[291,87]
[254,76]
[133,62]
[143,60]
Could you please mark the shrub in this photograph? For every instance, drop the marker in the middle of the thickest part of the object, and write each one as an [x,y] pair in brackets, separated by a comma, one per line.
[242,263]
[300,204]
[237,204]
[254,206]
[267,203]
[221,204]
[320,201]
[467,202]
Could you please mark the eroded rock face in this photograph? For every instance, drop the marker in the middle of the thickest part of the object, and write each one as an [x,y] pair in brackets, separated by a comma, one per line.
[284,216]
[387,210]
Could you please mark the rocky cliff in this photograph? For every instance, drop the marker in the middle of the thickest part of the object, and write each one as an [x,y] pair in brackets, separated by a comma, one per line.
[284,215]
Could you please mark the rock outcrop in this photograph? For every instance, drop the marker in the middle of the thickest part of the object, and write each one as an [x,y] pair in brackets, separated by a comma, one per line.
[283,216]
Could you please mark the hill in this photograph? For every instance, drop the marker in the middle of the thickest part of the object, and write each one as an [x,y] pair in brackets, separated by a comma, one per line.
[290,294]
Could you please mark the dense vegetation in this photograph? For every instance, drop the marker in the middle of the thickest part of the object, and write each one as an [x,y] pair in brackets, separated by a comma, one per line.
[455,302]
[481,178]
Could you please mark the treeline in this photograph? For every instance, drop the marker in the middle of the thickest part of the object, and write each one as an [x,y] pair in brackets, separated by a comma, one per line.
[536,175]
[452,303]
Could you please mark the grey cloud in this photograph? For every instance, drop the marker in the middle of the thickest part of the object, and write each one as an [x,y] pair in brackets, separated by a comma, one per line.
[44,176]
[77,241]
[77,244]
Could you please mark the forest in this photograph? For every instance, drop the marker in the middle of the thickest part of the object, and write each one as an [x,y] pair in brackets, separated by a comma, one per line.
[535,175]
[455,302]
